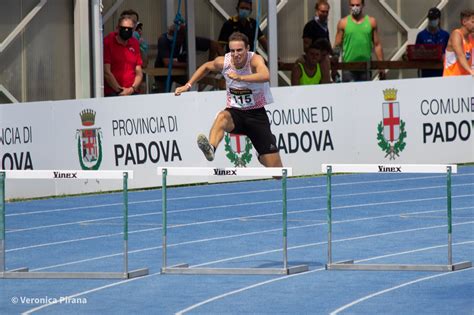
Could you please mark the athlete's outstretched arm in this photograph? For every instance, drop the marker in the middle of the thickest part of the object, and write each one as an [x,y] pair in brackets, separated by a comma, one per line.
[215,65]
[260,72]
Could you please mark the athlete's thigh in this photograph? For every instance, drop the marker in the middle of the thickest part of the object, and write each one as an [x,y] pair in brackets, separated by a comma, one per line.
[258,130]
[225,121]
[235,124]
[271,160]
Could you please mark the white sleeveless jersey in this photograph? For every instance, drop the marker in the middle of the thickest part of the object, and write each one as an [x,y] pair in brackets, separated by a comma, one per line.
[244,95]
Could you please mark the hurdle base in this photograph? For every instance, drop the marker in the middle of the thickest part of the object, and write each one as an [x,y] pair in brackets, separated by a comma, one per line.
[349,265]
[23,273]
[22,269]
[185,269]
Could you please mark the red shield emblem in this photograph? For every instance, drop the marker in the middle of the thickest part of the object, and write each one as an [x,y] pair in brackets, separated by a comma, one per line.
[90,150]
[237,143]
[391,121]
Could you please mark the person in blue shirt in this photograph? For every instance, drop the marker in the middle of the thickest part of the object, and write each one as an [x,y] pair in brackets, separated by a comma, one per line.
[433,34]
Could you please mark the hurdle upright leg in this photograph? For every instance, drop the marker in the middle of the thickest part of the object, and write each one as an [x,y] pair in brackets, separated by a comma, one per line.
[164,214]
[450,226]
[285,220]
[2,222]
[329,212]
[125,223]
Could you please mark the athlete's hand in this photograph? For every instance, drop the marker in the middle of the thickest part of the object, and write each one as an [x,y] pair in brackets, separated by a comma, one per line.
[182,89]
[234,76]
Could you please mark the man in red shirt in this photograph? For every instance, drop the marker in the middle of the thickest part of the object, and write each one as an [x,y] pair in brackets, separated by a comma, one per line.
[122,60]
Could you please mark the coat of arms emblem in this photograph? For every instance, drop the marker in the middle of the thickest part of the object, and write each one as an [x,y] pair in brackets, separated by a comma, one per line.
[238,149]
[89,142]
[391,130]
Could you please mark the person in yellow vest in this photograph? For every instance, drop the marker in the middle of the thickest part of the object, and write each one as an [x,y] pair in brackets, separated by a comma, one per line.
[356,35]
[458,59]
[312,70]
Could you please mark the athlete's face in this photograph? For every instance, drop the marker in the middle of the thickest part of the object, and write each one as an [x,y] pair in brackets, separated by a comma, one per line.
[468,23]
[313,56]
[238,52]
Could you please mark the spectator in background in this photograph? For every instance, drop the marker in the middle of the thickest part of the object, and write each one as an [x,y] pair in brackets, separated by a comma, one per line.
[316,68]
[318,26]
[458,59]
[122,60]
[357,34]
[180,55]
[138,34]
[132,13]
[243,23]
[433,34]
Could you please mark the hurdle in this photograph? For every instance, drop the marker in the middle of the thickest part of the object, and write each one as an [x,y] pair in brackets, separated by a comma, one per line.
[164,172]
[330,169]
[24,273]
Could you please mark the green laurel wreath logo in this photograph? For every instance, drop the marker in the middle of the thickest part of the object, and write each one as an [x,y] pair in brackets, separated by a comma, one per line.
[99,158]
[239,161]
[386,146]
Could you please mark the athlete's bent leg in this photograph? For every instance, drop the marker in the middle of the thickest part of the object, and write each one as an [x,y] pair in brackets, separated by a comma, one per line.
[222,123]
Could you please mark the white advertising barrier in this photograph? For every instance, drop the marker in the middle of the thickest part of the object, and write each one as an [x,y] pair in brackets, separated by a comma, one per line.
[415,121]
[426,121]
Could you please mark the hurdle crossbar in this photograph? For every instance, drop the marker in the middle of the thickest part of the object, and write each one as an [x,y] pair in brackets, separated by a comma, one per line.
[164,172]
[24,273]
[66,174]
[330,169]
[226,171]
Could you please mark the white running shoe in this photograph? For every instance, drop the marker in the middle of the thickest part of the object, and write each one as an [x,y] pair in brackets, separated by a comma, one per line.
[205,147]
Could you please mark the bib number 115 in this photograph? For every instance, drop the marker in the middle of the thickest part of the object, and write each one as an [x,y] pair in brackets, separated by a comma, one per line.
[243,99]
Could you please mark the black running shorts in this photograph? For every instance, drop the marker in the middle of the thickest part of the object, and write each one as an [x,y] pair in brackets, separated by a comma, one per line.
[254,124]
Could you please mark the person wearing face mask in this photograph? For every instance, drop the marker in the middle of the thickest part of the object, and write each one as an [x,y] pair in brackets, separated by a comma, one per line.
[243,23]
[357,35]
[434,35]
[138,34]
[318,26]
[122,60]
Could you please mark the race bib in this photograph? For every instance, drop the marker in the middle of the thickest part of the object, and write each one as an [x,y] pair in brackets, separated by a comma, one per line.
[241,98]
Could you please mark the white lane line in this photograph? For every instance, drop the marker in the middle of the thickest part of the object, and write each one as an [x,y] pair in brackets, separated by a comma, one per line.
[221,296]
[252,254]
[227,194]
[225,294]
[129,280]
[88,292]
[206,222]
[367,297]
[220,221]
[244,204]
[63,242]
[325,242]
